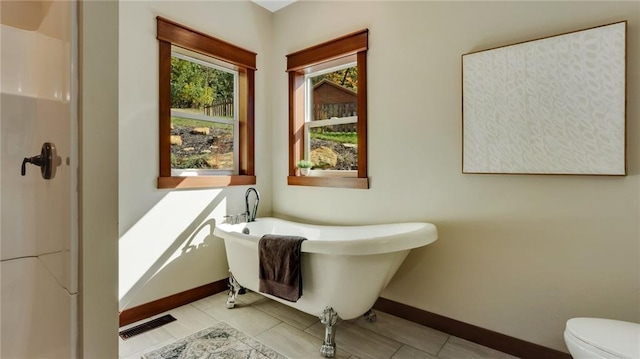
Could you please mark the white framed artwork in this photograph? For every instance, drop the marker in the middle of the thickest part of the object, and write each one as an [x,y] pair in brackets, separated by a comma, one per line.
[555,105]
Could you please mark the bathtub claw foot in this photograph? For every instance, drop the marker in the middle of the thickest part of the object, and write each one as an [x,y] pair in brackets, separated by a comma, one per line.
[234,289]
[329,318]
[231,300]
[328,351]
[370,316]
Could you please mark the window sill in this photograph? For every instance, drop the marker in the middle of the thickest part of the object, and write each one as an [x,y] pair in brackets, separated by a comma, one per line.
[205,181]
[317,181]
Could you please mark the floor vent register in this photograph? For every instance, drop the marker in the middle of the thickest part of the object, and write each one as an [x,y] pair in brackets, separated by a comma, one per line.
[145,327]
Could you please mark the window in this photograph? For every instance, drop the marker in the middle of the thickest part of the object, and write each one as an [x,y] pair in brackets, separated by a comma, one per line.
[328,112]
[206,110]
[331,133]
[204,134]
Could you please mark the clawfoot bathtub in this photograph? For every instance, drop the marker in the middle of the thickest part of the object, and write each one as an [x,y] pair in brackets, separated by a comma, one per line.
[344,268]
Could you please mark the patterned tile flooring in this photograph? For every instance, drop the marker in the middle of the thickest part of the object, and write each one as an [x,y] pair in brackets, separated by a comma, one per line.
[298,335]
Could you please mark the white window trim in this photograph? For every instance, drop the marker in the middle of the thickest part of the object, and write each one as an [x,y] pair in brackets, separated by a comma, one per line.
[332,121]
[211,64]
[333,173]
[195,172]
[195,116]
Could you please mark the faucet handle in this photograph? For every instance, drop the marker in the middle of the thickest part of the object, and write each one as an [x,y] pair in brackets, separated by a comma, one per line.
[228,219]
[242,217]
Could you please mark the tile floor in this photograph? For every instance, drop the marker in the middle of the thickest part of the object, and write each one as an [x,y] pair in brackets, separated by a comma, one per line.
[299,335]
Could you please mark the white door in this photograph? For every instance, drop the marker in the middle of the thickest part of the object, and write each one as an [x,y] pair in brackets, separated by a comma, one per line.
[38,216]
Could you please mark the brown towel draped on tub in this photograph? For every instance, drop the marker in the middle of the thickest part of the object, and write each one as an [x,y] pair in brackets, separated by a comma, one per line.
[280,271]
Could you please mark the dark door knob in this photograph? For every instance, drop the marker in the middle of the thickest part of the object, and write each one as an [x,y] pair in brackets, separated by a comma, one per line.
[47,161]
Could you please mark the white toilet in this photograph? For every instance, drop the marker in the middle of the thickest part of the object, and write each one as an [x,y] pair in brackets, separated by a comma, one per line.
[594,338]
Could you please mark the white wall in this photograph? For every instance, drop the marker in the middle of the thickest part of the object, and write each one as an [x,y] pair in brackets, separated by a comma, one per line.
[38,239]
[517,254]
[166,244]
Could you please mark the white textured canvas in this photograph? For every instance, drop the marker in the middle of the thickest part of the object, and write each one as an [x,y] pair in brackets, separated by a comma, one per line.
[549,106]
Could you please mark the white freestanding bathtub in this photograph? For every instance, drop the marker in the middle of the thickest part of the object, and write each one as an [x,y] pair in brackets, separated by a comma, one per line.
[344,268]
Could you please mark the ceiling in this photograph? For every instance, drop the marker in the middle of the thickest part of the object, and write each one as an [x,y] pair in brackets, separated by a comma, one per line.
[273,5]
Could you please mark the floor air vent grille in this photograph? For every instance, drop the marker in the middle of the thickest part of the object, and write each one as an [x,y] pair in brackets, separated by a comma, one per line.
[144,327]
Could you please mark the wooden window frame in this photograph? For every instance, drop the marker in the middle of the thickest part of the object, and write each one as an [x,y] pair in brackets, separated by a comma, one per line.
[313,59]
[170,33]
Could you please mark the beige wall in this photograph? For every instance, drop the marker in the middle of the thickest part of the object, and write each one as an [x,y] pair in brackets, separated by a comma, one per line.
[26,15]
[98,134]
[517,254]
[166,243]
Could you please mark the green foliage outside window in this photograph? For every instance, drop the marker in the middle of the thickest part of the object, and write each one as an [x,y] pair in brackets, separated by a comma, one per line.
[202,90]
[196,86]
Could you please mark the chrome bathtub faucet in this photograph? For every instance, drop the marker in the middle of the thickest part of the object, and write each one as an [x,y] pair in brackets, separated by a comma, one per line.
[251,216]
[235,219]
